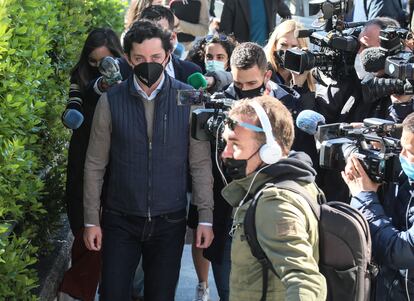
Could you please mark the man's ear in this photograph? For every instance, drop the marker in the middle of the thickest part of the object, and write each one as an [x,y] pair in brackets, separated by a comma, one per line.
[173,38]
[168,58]
[268,76]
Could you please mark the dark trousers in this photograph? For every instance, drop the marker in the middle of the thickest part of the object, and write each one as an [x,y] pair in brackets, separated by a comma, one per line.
[159,241]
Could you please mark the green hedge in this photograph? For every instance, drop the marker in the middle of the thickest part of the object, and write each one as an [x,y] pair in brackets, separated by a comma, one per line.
[39,42]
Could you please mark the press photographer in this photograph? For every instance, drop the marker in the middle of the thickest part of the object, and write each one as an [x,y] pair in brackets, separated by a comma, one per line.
[390,218]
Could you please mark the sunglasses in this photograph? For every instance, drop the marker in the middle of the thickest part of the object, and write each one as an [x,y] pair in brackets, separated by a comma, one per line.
[233,123]
[219,37]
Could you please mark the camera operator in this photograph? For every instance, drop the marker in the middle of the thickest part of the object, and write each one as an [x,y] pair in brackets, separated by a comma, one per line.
[259,133]
[343,101]
[390,218]
[281,39]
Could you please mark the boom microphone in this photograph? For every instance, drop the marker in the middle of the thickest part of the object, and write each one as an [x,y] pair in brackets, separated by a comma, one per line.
[197,81]
[308,121]
[373,59]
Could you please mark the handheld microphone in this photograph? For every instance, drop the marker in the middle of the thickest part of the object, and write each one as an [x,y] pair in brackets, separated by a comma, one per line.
[308,121]
[373,59]
[109,68]
[197,81]
[72,119]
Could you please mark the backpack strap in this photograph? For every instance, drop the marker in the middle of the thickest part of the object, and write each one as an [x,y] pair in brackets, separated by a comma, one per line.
[251,237]
[298,189]
[250,225]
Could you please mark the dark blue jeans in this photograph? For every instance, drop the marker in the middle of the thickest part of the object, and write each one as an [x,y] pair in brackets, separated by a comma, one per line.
[160,243]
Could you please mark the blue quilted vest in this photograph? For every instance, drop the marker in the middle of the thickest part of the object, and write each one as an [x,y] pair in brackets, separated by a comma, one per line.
[148,179]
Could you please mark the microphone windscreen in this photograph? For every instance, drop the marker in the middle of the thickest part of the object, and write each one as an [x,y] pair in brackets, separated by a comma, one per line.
[373,59]
[197,81]
[308,121]
[72,119]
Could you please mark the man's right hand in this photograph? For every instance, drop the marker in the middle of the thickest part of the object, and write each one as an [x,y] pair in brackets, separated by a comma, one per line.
[92,236]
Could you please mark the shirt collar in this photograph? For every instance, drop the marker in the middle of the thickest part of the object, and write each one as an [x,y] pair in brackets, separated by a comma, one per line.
[154,93]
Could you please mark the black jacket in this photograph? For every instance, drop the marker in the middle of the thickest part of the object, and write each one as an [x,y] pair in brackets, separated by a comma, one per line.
[183,69]
[77,151]
[343,102]
[235,17]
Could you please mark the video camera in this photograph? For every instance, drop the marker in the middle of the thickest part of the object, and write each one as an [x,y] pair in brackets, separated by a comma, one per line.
[396,62]
[337,44]
[206,123]
[372,143]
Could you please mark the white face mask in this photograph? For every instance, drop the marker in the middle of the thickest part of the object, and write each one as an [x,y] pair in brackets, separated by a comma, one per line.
[359,68]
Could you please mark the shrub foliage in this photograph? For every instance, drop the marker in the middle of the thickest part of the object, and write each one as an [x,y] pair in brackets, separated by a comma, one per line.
[39,42]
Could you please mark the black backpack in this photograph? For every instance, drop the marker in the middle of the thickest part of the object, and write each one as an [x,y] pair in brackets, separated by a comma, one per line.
[344,245]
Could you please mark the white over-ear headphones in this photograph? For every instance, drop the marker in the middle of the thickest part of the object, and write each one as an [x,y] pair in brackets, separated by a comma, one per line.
[270,152]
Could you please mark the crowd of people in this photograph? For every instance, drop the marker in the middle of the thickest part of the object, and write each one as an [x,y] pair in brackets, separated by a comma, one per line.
[138,180]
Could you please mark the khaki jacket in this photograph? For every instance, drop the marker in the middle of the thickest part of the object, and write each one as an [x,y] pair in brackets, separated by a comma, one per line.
[287,231]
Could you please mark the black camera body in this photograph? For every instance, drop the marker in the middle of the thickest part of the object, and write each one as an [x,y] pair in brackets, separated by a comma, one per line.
[372,144]
[398,66]
[207,121]
[337,44]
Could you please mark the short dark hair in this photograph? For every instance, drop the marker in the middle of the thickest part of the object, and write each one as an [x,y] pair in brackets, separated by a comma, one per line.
[144,30]
[408,123]
[156,13]
[247,55]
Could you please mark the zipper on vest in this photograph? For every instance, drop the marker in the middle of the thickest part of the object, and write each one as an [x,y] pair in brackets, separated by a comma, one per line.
[165,128]
[149,178]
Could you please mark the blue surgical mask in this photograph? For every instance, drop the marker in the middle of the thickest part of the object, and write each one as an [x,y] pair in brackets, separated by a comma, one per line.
[407,167]
[212,66]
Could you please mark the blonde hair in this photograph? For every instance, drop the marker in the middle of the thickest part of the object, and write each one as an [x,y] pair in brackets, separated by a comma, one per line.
[280,31]
[134,10]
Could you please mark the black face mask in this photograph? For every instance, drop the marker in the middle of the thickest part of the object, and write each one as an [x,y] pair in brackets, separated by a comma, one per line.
[148,73]
[250,93]
[236,169]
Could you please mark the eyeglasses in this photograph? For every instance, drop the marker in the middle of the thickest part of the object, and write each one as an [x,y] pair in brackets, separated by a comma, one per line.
[219,37]
[233,123]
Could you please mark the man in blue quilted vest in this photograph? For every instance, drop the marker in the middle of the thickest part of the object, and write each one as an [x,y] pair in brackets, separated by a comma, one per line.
[140,138]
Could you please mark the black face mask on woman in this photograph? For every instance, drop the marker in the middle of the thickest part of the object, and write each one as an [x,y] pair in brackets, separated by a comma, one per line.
[250,93]
[148,73]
